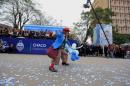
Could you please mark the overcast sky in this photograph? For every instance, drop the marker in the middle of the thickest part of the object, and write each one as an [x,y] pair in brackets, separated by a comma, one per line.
[67,11]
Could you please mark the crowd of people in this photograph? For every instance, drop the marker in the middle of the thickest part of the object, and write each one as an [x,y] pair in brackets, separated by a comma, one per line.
[6,49]
[113,50]
[26,34]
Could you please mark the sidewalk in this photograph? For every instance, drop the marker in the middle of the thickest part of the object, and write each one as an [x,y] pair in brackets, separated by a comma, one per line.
[32,70]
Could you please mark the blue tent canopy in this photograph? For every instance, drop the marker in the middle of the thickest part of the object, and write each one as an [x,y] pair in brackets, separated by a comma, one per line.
[42,28]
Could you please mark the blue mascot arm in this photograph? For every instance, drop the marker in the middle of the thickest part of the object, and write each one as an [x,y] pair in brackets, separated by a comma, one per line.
[74,56]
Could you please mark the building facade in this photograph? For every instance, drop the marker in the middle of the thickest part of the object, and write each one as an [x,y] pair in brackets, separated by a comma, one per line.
[121,17]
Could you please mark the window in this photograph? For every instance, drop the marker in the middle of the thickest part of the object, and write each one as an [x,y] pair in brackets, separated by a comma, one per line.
[121,21]
[119,2]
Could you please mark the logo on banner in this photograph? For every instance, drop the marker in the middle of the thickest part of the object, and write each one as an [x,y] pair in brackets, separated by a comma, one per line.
[5,44]
[20,45]
[39,45]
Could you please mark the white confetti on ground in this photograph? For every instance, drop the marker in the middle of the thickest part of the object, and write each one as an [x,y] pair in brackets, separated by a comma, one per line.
[32,70]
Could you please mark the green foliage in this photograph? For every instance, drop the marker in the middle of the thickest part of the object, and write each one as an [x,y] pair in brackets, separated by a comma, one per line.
[119,38]
[104,16]
[90,32]
[72,36]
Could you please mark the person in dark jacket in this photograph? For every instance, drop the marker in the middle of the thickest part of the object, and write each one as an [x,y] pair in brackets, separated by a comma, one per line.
[105,50]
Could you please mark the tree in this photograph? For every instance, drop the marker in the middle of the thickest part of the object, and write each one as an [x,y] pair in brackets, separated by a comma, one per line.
[41,19]
[105,17]
[18,12]
[86,17]
[103,14]
[119,38]
[2,1]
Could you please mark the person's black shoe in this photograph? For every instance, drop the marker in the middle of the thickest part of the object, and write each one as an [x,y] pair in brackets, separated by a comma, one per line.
[52,69]
[66,64]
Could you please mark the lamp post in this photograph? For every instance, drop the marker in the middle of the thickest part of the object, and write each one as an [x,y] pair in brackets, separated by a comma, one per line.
[87,6]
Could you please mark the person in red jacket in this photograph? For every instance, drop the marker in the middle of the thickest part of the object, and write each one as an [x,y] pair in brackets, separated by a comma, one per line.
[59,46]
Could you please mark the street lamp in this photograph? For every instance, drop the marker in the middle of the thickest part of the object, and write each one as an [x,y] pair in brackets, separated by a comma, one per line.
[87,6]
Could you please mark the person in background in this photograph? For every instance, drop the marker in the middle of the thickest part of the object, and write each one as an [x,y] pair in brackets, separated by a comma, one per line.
[1,46]
[11,48]
[106,50]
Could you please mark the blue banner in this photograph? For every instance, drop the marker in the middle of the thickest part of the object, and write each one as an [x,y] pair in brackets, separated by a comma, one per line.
[99,37]
[30,46]
[43,28]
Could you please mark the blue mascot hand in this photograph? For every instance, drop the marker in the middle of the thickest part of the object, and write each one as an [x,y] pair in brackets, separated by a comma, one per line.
[74,56]
[77,57]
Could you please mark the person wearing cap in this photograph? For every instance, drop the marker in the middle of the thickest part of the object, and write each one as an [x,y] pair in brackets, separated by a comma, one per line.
[64,55]
[59,45]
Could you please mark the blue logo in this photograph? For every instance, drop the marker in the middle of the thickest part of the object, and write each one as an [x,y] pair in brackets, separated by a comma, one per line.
[20,45]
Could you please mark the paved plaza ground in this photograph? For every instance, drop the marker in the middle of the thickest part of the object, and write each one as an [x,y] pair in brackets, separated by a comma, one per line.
[32,70]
